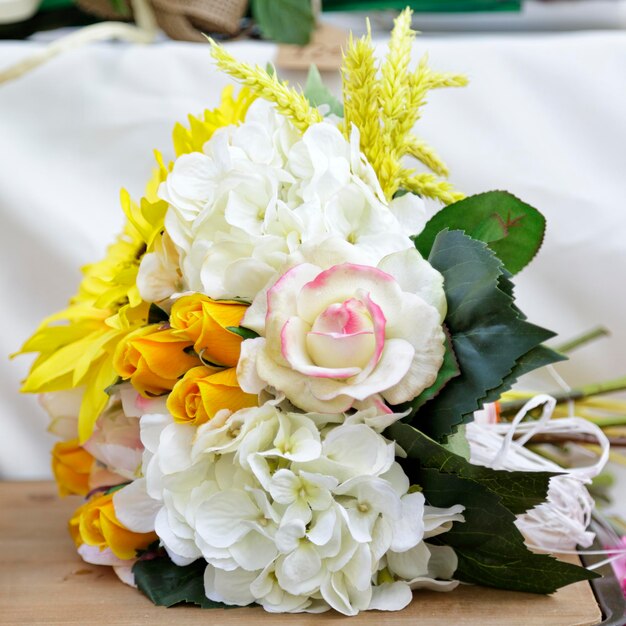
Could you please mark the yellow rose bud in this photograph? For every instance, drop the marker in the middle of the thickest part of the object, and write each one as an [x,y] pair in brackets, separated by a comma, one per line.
[204,391]
[71,466]
[204,321]
[96,524]
[153,358]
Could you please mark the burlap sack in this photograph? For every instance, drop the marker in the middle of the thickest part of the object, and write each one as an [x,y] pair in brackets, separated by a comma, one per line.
[184,20]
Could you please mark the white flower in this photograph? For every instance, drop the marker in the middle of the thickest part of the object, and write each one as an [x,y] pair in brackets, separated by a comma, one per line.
[285,515]
[347,335]
[116,443]
[261,190]
[159,275]
[63,408]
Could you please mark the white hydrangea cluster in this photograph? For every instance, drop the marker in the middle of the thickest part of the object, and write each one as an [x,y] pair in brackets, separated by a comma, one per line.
[258,192]
[296,512]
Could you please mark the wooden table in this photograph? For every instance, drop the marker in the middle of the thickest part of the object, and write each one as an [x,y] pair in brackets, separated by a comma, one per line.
[43,581]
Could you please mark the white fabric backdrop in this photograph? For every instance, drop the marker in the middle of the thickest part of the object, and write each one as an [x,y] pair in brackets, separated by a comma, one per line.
[543,117]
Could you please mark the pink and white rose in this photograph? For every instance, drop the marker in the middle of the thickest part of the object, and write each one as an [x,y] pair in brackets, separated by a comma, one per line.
[347,336]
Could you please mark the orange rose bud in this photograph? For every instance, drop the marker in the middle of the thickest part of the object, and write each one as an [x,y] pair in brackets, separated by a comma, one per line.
[96,524]
[204,321]
[204,391]
[71,466]
[153,358]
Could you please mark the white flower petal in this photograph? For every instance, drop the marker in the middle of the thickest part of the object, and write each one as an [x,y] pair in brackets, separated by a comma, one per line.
[229,587]
[391,596]
[135,508]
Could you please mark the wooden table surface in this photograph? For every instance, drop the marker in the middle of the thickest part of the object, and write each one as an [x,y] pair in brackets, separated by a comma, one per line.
[43,581]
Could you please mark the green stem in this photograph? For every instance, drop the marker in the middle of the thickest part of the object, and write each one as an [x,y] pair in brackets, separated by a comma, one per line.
[581,340]
[595,389]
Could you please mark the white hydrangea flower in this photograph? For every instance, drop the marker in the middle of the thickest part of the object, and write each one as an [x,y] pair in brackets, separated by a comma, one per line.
[258,192]
[289,510]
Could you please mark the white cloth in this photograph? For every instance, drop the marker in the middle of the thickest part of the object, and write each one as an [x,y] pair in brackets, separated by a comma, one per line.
[543,117]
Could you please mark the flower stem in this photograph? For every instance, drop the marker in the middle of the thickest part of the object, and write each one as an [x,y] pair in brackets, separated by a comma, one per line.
[581,340]
[594,389]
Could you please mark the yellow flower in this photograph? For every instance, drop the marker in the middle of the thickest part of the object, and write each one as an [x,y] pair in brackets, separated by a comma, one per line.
[230,111]
[76,345]
[96,524]
[203,392]
[71,466]
[153,358]
[204,321]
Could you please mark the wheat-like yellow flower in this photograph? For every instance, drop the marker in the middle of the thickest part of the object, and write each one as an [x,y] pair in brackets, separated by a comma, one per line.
[429,186]
[385,109]
[288,101]
[360,93]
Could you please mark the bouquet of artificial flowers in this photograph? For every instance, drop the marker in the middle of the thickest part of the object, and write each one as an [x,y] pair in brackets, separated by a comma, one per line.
[262,390]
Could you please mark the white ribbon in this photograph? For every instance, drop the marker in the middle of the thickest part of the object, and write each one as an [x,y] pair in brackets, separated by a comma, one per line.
[560,523]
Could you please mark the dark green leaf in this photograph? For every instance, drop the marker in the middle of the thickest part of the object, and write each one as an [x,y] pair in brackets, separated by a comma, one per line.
[513,229]
[316,92]
[285,21]
[166,584]
[518,491]
[246,333]
[489,547]
[536,358]
[156,315]
[489,334]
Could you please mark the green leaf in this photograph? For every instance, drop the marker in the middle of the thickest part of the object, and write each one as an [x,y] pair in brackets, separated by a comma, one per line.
[167,584]
[536,358]
[317,93]
[513,229]
[518,491]
[489,333]
[458,444]
[246,333]
[489,547]
[157,315]
[285,21]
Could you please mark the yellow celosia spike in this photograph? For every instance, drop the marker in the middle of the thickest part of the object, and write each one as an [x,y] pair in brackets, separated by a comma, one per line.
[360,94]
[395,84]
[288,101]
[425,153]
[429,186]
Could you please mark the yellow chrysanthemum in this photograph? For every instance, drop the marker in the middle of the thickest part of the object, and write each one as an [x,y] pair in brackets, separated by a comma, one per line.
[76,345]
[230,111]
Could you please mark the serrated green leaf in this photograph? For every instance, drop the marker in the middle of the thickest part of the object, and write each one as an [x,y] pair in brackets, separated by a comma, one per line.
[536,358]
[489,547]
[458,444]
[513,229]
[285,21]
[489,333]
[518,491]
[317,93]
[246,333]
[167,584]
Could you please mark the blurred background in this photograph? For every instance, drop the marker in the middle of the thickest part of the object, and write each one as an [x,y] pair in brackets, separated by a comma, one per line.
[80,114]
